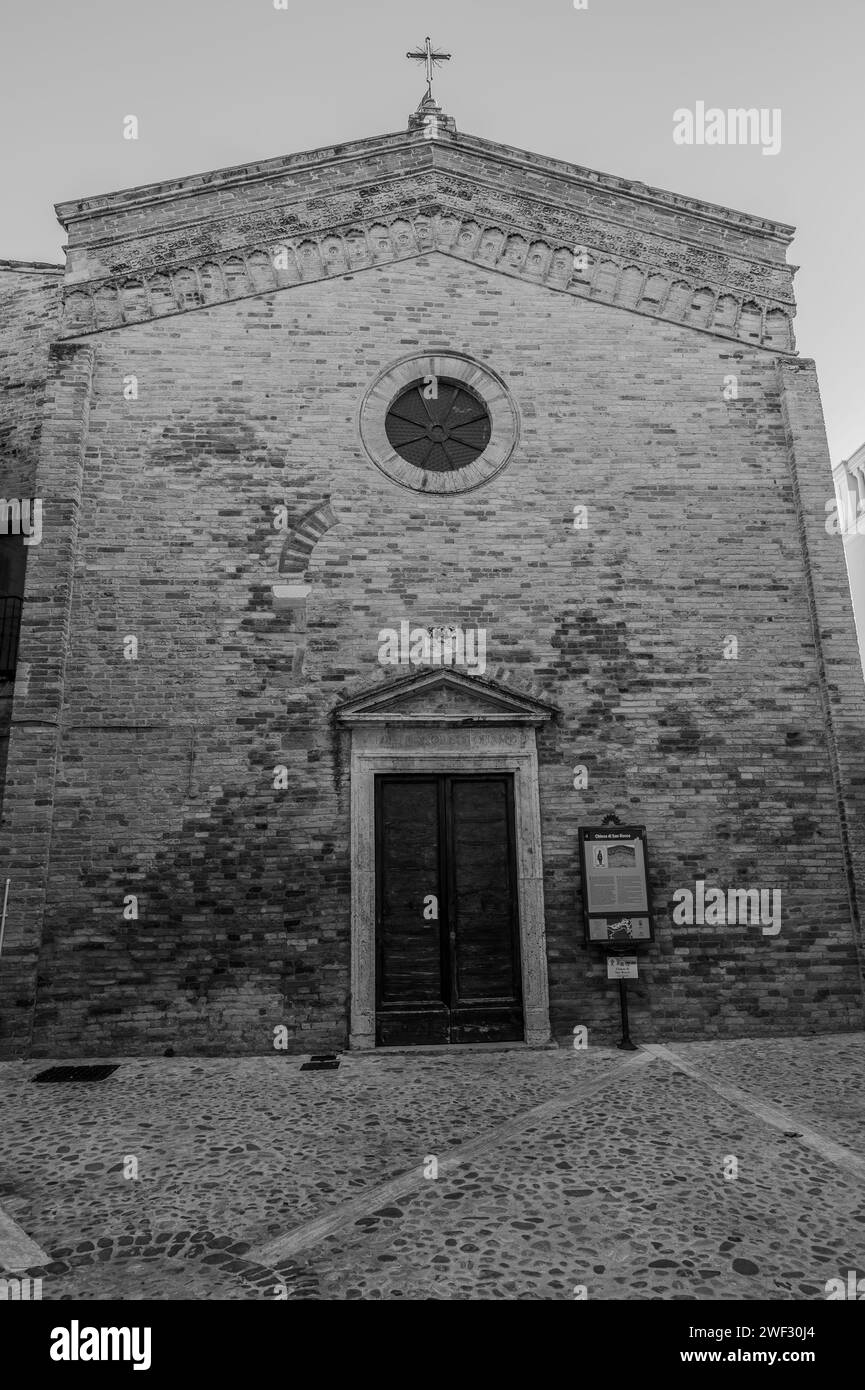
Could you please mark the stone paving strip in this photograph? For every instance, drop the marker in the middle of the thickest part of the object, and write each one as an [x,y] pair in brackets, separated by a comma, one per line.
[767,1112]
[820,1079]
[17,1250]
[302,1238]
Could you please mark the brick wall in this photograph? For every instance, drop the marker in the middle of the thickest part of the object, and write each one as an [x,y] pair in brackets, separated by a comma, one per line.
[164,782]
[29,305]
[37,717]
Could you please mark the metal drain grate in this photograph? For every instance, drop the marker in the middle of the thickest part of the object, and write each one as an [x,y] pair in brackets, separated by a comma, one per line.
[325,1061]
[75,1073]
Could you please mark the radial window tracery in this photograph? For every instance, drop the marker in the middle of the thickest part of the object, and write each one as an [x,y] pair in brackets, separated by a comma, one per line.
[438,427]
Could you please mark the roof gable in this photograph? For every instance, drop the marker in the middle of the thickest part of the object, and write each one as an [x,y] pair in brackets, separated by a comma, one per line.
[173,248]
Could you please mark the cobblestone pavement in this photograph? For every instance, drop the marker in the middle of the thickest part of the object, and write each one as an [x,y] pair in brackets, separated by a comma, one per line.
[458,1175]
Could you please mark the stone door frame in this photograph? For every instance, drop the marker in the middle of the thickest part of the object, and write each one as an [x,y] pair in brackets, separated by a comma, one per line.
[406,737]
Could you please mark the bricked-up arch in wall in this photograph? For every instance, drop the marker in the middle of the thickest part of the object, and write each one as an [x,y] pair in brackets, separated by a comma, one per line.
[303,537]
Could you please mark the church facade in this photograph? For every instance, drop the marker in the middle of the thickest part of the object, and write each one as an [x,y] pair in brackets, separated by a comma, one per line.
[404,507]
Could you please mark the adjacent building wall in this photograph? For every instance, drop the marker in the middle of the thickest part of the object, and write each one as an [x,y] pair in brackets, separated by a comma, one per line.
[849,522]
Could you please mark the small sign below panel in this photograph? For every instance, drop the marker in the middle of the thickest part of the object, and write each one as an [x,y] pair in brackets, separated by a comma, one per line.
[622,968]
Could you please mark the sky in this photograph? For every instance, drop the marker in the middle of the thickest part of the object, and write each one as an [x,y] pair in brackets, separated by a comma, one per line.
[223,82]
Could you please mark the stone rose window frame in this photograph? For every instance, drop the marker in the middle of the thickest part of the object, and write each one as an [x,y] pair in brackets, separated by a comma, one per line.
[488,385]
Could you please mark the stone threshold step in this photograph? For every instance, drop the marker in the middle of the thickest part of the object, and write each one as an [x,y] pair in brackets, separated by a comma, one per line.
[436,1049]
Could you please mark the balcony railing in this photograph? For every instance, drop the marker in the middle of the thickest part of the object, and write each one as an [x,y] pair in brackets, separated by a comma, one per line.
[10,627]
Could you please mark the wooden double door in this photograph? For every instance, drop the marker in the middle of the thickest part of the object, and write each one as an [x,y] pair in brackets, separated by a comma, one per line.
[447,924]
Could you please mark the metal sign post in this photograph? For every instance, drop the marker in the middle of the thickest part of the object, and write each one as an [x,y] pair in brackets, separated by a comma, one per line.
[617,911]
[626,1043]
[623,968]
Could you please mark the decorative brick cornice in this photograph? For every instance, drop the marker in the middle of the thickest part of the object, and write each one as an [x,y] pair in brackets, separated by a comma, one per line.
[658,277]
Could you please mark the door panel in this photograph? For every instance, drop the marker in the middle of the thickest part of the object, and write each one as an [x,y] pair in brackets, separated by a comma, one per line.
[483,906]
[409,1000]
[456,979]
[486,1002]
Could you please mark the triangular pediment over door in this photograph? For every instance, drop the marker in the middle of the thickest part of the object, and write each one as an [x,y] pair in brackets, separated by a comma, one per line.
[443,696]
